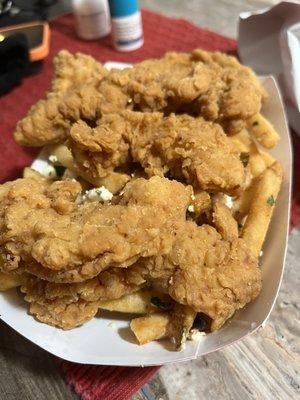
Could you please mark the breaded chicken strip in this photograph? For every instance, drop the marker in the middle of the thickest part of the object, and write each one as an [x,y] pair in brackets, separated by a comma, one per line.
[73,70]
[70,305]
[73,95]
[213,85]
[187,148]
[59,240]
[212,275]
[202,270]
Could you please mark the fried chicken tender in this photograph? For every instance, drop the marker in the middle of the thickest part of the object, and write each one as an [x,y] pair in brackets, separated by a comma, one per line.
[73,95]
[202,270]
[213,85]
[72,70]
[188,148]
[70,305]
[59,240]
[211,275]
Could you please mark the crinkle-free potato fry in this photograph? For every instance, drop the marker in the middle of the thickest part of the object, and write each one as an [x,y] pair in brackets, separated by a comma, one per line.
[63,155]
[31,173]
[256,162]
[242,204]
[114,182]
[132,303]
[268,159]
[241,141]
[263,131]
[8,281]
[176,324]
[262,206]
[151,327]
[181,322]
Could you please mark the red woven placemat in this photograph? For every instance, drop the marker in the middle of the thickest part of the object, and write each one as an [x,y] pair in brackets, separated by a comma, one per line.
[161,34]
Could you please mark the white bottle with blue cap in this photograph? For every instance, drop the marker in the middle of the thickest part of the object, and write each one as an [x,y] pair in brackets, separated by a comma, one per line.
[126,24]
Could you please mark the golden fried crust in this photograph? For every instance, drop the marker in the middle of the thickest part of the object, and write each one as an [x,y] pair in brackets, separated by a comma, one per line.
[213,85]
[188,148]
[59,240]
[71,305]
[48,121]
[202,270]
[224,222]
[212,276]
[72,70]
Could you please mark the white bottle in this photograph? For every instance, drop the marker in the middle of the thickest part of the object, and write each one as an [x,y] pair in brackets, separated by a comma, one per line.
[92,18]
[126,22]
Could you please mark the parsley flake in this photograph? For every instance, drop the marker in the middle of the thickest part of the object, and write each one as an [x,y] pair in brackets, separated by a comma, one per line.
[255,123]
[271,200]
[159,303]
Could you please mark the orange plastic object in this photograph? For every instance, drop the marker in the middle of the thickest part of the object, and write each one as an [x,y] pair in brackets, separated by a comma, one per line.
[38,35]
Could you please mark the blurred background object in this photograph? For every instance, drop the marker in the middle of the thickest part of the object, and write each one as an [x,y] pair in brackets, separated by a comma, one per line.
[92,18]
[127,27]
[13,12]
[214,15]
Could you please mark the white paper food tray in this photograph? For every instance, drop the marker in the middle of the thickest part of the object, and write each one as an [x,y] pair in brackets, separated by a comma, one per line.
[106,340]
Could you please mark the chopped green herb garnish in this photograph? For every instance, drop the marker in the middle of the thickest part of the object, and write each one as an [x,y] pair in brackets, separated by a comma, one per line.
[159,303]
[244,157]
[59,169]
[271,200]
[255,123]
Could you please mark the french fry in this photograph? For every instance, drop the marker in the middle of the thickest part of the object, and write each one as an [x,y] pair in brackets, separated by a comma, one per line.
[263,131]
[268,159]
[31,173]
[114,181]
[261,208]
[151,327]
[63,155]
[134,303]
[241,141]
[242,204]
[8,281]
[181,322]
[176,324]
[256,162]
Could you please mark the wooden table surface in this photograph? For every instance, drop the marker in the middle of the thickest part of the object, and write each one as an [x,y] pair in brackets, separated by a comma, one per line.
[263,366]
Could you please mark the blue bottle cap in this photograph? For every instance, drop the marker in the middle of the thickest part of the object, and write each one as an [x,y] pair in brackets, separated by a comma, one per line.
[123,8]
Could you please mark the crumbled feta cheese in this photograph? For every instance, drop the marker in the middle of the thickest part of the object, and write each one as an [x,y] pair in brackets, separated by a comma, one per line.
[228,201]
[49,172]
[53,158]
[261,253]
[196,335]
[184,336]
[98,194]
[191,208]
